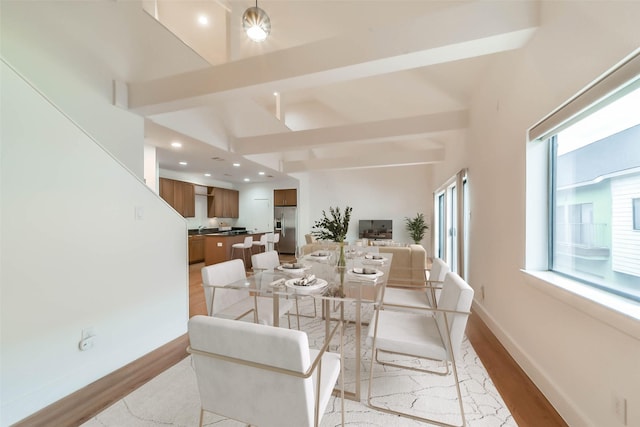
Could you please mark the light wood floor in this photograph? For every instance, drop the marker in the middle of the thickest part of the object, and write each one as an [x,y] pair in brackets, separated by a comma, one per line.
[527,404]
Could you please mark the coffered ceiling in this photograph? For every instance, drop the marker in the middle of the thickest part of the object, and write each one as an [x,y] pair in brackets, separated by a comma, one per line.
[359,83]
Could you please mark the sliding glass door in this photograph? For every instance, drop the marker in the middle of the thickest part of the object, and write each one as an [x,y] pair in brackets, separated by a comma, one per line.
[450,222]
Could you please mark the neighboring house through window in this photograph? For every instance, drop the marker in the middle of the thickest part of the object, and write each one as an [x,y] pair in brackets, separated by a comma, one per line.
[594,193]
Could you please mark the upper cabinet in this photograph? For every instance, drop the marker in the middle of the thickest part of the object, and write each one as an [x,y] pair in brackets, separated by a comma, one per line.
[287,197]
[180,195]
[223,203]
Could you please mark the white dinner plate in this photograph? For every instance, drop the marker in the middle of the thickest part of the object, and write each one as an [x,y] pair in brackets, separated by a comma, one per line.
[320,255]
[319,284]
[358,272]
[374,259]
[293,270]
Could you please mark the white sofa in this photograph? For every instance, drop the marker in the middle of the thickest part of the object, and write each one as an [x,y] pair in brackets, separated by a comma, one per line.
[407,267]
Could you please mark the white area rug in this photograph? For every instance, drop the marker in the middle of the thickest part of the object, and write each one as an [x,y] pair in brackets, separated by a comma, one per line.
[171,399]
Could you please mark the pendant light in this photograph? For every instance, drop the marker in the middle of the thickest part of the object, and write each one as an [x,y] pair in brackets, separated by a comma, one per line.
[256,23]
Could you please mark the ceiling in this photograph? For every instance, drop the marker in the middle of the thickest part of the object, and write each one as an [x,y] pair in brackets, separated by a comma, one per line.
[360,83]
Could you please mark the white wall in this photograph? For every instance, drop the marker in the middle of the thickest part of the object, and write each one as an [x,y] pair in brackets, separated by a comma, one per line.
[575,356]
[378,193]
[75,254]
[151,168]
[79,84]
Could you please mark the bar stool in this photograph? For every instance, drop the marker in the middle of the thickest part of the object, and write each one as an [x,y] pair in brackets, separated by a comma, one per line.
[261,244]
[248,244]
[274,238]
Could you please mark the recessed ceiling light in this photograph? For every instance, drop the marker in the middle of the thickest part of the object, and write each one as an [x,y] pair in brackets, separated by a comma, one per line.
[207,174]
[247,180]
[203,20]
[236,164]
[183,163]
[260,173]
[176,144]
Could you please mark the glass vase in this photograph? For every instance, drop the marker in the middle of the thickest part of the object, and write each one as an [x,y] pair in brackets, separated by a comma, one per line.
[342,266]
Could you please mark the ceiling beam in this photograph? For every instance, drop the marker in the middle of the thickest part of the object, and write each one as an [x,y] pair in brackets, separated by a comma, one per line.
[469,30]
[367,160]
[371,131]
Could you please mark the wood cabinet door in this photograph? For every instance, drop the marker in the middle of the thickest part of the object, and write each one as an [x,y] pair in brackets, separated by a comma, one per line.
[180,195]
[218,202]
[196,249]
[166,190]
[233,200]
[188,200]
[286,197]
[291,197]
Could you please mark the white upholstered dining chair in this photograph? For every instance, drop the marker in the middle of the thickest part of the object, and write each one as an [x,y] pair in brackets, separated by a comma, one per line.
[236,303]
[436,336]
[419,297]
[265,261]
[262,375]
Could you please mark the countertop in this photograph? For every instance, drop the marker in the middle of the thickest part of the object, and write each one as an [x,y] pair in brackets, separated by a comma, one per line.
[215,232]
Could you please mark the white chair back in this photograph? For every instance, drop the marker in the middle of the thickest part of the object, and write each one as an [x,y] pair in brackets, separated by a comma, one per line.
[265,260]
[249,394]
[439,270]
[222,274]
[248,242]
[456,295]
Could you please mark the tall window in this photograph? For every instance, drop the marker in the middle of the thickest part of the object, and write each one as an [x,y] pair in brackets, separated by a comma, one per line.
[450,207]
[594,192]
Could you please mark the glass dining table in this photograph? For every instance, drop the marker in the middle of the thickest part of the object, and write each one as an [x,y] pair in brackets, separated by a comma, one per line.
[361,281]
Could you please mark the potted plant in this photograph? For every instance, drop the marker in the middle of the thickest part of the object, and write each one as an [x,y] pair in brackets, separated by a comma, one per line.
[416,227]
[334,228]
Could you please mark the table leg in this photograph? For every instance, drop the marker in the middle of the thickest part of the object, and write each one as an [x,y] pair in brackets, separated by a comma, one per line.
[276,310]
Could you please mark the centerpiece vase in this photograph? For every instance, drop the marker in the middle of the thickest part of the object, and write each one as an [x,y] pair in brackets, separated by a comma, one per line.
[342,266]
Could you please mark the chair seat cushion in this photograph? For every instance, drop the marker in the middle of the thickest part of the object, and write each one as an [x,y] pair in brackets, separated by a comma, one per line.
[406,297]
[408,333]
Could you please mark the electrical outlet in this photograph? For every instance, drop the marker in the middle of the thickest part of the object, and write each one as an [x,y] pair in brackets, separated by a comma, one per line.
[620,409]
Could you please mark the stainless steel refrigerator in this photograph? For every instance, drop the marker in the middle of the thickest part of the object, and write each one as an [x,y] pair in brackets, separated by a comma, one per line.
[285,222]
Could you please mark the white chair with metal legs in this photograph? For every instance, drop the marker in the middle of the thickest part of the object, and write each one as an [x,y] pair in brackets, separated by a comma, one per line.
[261,244]
[436,336]
[263,375]
[244,246]
[420,297]
[236,303]
[270,260]
[275,239]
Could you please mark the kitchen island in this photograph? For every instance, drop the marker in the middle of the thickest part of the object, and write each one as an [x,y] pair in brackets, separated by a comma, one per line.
[217,246]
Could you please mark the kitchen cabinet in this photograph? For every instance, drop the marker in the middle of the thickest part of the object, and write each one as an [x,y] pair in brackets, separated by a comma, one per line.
[196,249]
[224,203]
[285,197]
[180,195]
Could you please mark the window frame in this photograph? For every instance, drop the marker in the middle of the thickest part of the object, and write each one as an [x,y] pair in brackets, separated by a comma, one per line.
[614,310]
[635,209]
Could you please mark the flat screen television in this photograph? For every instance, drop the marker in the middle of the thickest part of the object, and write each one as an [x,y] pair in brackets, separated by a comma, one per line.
[375,229]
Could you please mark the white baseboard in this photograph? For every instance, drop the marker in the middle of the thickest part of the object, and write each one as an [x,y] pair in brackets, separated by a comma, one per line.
[560,401]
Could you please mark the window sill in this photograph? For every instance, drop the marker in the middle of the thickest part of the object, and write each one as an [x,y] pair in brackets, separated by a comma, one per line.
[617,312]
